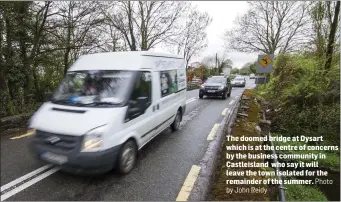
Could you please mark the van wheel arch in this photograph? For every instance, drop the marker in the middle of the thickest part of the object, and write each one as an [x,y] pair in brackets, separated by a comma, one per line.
[177,120]
[181,112]
[132,141]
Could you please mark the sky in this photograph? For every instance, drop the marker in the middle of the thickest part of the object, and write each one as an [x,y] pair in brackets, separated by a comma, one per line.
[223,14]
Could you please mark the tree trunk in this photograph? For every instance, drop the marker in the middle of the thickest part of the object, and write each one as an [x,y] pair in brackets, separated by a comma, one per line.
[3,74]
[68,40]
[66,59]
[22,33]
[331,39]
[9,55]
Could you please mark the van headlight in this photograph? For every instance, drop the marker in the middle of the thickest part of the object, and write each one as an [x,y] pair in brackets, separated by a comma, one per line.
[93,140]
[31,131]
[221,88]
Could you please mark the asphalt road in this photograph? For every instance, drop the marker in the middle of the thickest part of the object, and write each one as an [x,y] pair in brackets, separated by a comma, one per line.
[163,164]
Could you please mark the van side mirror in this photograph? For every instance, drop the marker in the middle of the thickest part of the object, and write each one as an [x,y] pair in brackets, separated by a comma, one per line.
[48,95]
[142,103]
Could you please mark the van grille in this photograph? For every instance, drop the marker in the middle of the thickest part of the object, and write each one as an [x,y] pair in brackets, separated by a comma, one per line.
[62,144]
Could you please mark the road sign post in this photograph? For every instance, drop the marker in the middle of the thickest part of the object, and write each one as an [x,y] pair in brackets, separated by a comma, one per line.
[264,65]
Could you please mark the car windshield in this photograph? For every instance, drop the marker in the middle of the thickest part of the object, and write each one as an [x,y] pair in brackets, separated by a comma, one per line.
[93,87]
[216,80]
[239,78]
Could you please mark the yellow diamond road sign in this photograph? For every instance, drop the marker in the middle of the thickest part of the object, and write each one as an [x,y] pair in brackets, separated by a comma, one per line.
[265,61]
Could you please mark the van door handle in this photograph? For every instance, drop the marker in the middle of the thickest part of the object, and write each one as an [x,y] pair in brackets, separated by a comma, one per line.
[157,106]
[154,108]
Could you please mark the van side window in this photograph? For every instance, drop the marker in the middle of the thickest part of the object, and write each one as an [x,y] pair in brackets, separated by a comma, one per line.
[168,82]
[141,96]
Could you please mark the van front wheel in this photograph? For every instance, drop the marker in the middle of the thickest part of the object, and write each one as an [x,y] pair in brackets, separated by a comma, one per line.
[127,157]
[176,124]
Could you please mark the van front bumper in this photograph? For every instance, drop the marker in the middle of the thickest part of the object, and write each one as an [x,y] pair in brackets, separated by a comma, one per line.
[82,163]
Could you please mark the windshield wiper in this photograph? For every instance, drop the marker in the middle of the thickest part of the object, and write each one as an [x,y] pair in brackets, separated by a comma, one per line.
[98,103]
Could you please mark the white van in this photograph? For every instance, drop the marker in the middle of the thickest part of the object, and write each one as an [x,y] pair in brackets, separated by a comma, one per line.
[108,106]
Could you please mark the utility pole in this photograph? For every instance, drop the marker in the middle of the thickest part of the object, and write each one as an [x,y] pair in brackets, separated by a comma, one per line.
[216,61]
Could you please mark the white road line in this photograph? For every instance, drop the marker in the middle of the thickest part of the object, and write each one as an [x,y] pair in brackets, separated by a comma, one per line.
[190,100]
[232,101]
[29,183]
[25,177]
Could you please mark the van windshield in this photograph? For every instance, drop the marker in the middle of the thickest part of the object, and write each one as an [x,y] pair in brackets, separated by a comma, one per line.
[93,88]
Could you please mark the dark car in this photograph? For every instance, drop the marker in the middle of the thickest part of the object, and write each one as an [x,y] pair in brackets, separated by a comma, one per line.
[239,81]
[216,86]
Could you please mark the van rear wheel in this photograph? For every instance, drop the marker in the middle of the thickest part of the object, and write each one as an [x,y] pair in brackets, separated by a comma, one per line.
[176,124]
[127,157]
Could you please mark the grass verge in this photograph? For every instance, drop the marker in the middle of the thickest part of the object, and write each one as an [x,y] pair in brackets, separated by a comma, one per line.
[242,127]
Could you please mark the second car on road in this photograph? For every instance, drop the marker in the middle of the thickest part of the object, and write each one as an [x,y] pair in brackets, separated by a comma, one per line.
[239,81]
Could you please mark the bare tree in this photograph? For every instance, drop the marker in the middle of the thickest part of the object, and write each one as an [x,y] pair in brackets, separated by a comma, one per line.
[270,27]
[331,38]
[322,14]
[217,62]
[76,29]
[193,37]
[144,24]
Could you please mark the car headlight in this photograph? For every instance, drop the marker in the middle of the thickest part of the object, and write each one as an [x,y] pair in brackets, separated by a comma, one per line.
[93,140]
[202,86]
[221,88]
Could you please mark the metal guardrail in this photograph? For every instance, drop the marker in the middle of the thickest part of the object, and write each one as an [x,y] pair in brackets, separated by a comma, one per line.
[281,186]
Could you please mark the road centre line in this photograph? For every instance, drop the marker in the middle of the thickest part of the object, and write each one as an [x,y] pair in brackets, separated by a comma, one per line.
[28,184]
[190,100]
[213,132]
[25,177]
[189,183]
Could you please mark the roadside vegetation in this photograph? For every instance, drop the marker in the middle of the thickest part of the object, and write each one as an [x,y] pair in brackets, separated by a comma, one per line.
[242,127]
[303,92]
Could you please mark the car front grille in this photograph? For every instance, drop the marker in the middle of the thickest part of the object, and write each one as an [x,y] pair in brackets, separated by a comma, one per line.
[65,143]
[212,87]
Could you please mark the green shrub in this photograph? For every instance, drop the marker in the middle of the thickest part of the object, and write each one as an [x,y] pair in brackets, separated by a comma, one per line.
[307,96]
[300,192]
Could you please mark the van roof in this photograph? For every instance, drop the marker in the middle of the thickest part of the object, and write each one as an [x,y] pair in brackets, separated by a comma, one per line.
[130,60]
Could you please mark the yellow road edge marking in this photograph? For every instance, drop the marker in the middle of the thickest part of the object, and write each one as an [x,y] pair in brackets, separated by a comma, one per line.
[189,183]
[21,136]
[224,111]
[213,131]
